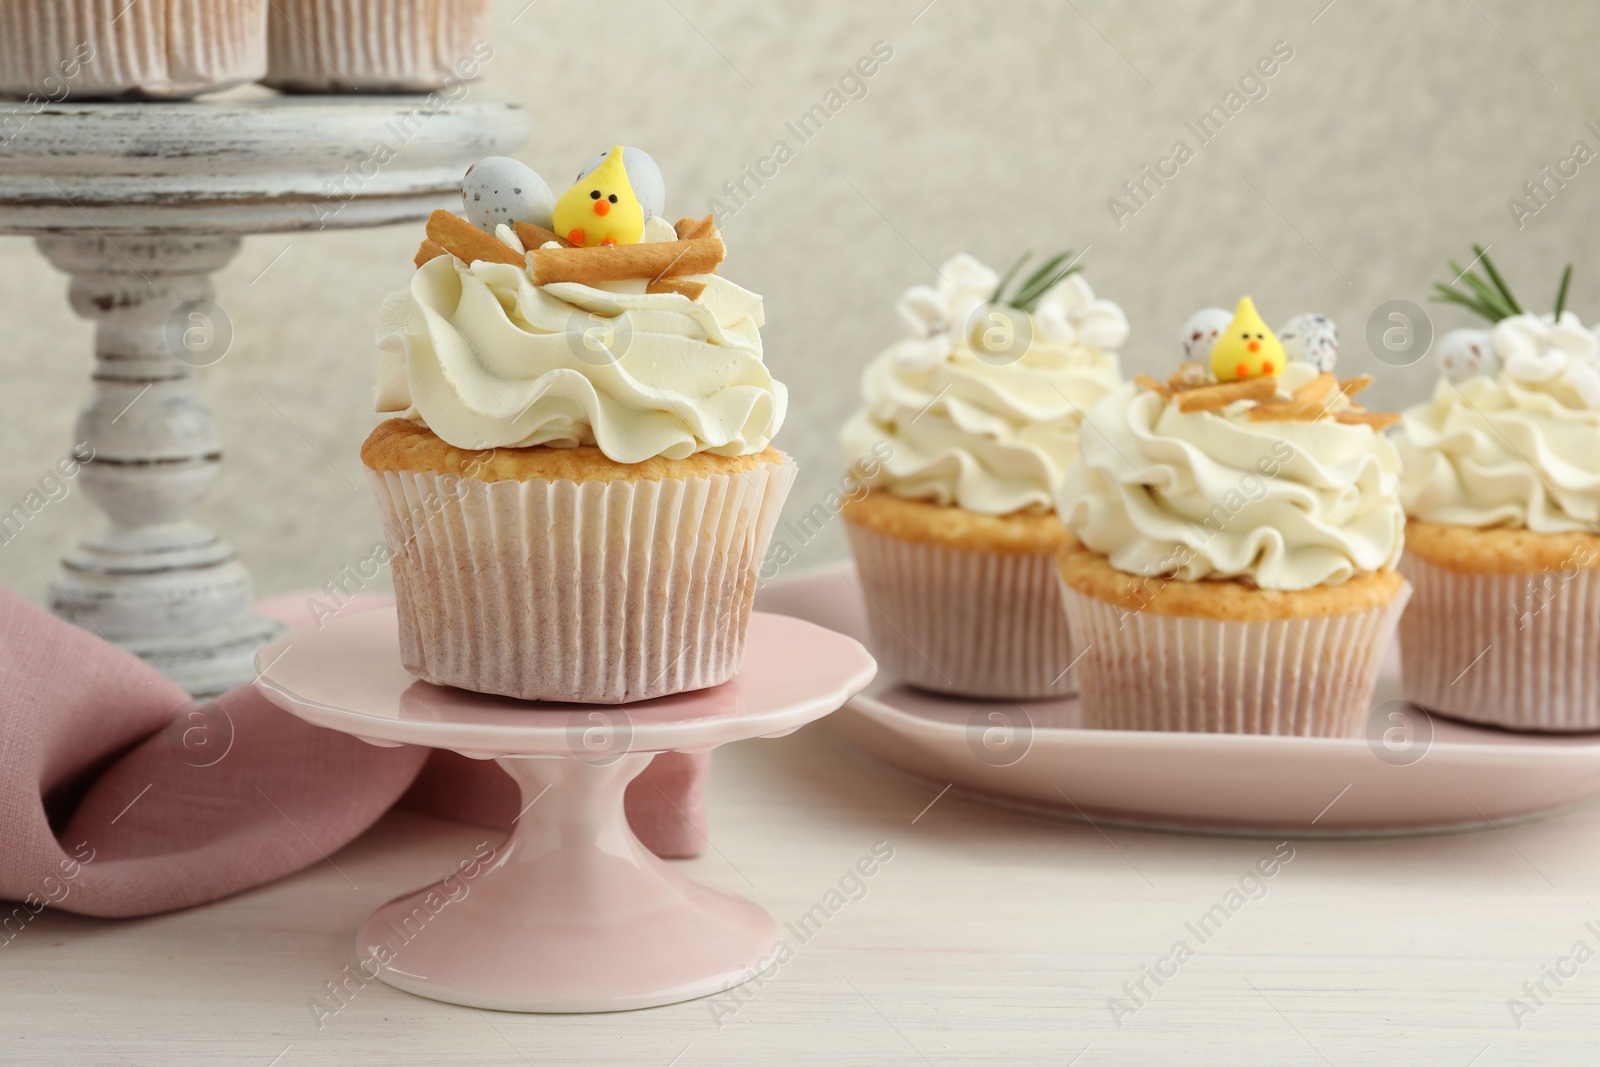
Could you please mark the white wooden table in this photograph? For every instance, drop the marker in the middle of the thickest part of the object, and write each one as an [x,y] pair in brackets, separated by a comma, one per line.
[141,203]
[990,937]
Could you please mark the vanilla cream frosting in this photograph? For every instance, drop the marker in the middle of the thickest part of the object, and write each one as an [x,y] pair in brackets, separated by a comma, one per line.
[1215,494]
[992,436]
[1519,447]
[486,359]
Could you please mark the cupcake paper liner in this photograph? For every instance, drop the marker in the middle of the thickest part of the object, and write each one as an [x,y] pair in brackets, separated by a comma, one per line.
[159,48]
[594,592]
[341,46]
[964,623]
[1305,677]
[1515,650]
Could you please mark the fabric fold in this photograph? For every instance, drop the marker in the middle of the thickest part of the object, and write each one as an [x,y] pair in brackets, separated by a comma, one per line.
[121,796]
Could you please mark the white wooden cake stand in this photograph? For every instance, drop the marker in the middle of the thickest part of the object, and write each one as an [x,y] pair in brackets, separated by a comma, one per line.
[572,913]
[140,204]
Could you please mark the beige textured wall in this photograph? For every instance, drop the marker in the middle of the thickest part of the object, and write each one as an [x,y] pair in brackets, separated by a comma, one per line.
[1389,143]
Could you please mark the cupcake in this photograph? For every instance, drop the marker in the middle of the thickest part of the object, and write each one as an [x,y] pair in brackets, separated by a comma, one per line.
[969,422]
[1502,489]
[1237,529]
[376,46]
[577,486]
[90,49]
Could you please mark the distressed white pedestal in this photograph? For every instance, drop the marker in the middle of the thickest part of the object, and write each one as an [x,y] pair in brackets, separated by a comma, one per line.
[140,204]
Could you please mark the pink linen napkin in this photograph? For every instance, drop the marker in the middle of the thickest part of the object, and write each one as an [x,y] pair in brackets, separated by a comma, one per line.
[120,796]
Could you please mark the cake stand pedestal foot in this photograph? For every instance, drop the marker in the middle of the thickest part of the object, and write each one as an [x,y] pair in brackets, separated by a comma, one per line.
[571,914]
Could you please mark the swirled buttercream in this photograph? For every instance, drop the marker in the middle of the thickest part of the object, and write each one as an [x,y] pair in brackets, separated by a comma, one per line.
[989,433]
[1215,494]
[486,359]
[1520,447]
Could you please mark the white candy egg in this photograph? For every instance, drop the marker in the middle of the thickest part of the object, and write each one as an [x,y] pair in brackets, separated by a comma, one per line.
[1312,339]
[1202,331]
[1466,353]
[501,191]
[643,174]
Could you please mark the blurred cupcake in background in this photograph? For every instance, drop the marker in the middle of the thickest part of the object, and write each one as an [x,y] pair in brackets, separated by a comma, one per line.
[91,49]
[376,46]
[1237,529]
[968,425]
[1502,487]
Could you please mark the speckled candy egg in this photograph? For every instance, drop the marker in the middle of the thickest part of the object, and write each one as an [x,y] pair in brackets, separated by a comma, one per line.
[1466,353]
[1202,331]
[1312,339]
[643,174]
[501,191]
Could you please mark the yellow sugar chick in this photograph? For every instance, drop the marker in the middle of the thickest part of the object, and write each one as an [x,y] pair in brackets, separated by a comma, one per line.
[1246,349]
[601,209]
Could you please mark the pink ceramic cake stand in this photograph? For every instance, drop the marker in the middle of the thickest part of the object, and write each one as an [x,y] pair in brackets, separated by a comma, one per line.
[572,913]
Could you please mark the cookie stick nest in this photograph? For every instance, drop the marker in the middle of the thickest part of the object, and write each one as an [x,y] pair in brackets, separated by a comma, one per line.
[1378,420]
[1313,400]
[1144,381]
[455,235]
[615,263]
[660,262]
[1193,393]
[1208,396]
[533,236]
[1212,397]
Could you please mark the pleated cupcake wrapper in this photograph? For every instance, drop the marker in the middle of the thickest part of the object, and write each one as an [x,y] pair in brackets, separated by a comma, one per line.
[1310,677]
[596,592]
[371,45]
[1515,650]
[165,48]
[975,624]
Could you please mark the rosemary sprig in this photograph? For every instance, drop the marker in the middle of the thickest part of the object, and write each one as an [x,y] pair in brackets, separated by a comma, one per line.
[1499,282]
[1491,298]
[1011,272]
[1041,281]
[1443,294]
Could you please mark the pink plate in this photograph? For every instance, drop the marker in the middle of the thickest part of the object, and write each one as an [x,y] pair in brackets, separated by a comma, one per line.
[1412,774]
[571,913]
